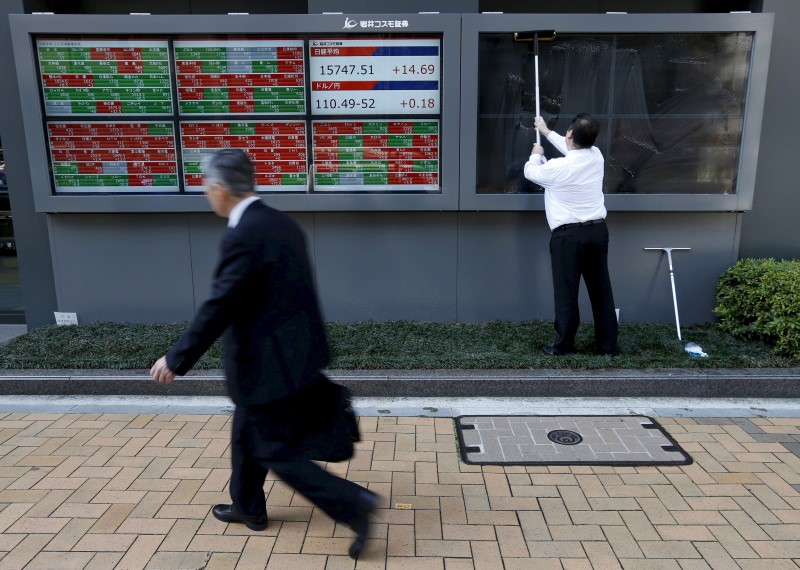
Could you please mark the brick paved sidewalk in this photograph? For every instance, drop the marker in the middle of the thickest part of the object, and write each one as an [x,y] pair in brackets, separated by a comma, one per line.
[135,491]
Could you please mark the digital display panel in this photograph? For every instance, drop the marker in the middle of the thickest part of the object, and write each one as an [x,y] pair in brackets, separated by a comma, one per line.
[375,76]
[277,149]
[249,93]
[85,77]
[113,157]
[240,76]
[375,156]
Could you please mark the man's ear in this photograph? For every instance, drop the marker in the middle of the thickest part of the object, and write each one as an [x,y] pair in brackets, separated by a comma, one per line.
[223,194]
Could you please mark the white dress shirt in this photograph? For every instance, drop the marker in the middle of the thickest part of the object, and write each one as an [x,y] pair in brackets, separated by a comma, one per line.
[238,210]
[573,184]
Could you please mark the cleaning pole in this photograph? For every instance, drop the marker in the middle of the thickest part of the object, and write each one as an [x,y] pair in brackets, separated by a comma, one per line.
[536,75]
[536,36]
[669,251]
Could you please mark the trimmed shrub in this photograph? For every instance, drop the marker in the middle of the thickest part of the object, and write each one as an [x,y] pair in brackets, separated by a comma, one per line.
[760,299]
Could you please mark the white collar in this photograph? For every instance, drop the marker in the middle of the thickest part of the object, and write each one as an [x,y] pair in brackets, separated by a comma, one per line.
[238,210]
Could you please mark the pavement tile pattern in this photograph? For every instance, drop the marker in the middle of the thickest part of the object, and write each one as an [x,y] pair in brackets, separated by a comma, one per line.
[566,440]
[98,491]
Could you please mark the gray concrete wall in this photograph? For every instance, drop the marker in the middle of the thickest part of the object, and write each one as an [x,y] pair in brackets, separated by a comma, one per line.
[30,227]
[433,266]
[504,265]
[771,229]
[468,266]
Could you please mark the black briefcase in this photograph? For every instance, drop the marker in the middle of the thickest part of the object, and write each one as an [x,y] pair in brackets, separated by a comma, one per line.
[317,423]
[334,427]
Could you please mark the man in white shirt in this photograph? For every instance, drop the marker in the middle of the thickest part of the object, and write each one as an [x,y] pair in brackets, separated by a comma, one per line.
[573,201]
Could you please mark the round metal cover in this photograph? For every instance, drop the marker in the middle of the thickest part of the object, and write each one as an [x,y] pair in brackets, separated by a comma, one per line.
[564,437]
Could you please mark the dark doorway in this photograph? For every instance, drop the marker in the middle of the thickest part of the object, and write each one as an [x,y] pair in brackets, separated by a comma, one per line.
[11,309]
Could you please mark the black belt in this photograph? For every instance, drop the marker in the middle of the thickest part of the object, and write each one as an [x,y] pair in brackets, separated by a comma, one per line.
[579,224]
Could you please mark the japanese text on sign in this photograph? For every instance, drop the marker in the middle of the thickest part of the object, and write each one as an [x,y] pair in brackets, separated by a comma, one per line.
[105,77]
[113,157]
[240,77]
[369,76]
[370,156]
[277,149]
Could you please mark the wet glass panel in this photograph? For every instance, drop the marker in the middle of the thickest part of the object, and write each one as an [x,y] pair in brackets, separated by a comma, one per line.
[670,107]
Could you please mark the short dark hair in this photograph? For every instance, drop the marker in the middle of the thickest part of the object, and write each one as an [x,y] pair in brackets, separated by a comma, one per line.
[584,129]
[232,169]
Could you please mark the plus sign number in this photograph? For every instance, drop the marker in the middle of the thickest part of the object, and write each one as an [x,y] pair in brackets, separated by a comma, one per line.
[375,76]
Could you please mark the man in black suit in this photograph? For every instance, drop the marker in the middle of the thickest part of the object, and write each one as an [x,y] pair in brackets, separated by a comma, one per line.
[264,302]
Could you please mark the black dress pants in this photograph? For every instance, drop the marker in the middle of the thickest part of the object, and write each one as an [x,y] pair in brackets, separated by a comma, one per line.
[257,446]
[575,252]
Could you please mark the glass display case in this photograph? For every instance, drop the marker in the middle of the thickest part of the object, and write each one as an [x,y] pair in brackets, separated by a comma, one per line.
[670,107]
[678,100]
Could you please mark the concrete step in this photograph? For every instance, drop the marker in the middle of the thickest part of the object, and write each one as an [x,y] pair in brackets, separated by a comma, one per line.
[716,383]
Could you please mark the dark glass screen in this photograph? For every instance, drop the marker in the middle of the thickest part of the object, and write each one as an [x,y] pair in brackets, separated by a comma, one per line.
[670,107]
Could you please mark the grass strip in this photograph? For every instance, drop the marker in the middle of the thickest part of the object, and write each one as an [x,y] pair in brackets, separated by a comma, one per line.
[401,345]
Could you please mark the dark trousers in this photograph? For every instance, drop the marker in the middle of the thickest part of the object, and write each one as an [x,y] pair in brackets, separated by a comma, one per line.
[575,252]
[334,495]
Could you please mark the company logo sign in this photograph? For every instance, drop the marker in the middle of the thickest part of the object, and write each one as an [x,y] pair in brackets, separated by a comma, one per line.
[350,23]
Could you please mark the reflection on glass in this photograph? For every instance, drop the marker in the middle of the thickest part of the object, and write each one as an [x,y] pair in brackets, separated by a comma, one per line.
[670,107]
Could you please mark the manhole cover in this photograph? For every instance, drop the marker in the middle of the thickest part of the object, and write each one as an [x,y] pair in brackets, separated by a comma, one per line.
[564,437]
[566,440]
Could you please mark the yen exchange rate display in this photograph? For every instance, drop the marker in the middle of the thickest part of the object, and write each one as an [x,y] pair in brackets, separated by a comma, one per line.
[374,156]
[113,157]
[105,77]
[240,76]
[277,149]
[375,76]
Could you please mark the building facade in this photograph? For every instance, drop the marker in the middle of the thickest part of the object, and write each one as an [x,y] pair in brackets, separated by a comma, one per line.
[399,154]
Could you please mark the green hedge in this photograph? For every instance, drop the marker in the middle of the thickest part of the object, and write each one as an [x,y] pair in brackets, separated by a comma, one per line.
[759,299]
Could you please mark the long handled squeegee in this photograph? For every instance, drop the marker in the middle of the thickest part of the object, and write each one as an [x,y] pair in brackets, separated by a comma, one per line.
[669,251]
[536,37]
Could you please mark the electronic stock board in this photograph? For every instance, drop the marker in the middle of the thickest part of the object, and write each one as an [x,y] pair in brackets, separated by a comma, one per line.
[372,107]
[253,77]
[366,76]
[109,78]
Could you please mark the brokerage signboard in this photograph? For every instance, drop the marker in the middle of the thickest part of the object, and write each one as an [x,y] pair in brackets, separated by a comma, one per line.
[277,149]
[375,76]
[84,77]
[113,157]
[240,76]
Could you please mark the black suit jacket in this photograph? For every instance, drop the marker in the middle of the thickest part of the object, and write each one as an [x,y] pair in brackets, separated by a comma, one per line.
[264,301]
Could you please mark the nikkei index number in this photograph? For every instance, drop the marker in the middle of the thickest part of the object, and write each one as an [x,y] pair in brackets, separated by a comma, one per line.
[349,70]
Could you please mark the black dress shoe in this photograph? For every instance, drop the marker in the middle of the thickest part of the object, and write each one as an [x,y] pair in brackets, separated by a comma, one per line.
[225,513]
[553,351]
[367,502]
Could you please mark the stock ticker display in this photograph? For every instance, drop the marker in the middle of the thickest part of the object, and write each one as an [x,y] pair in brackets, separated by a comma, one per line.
[375,103]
